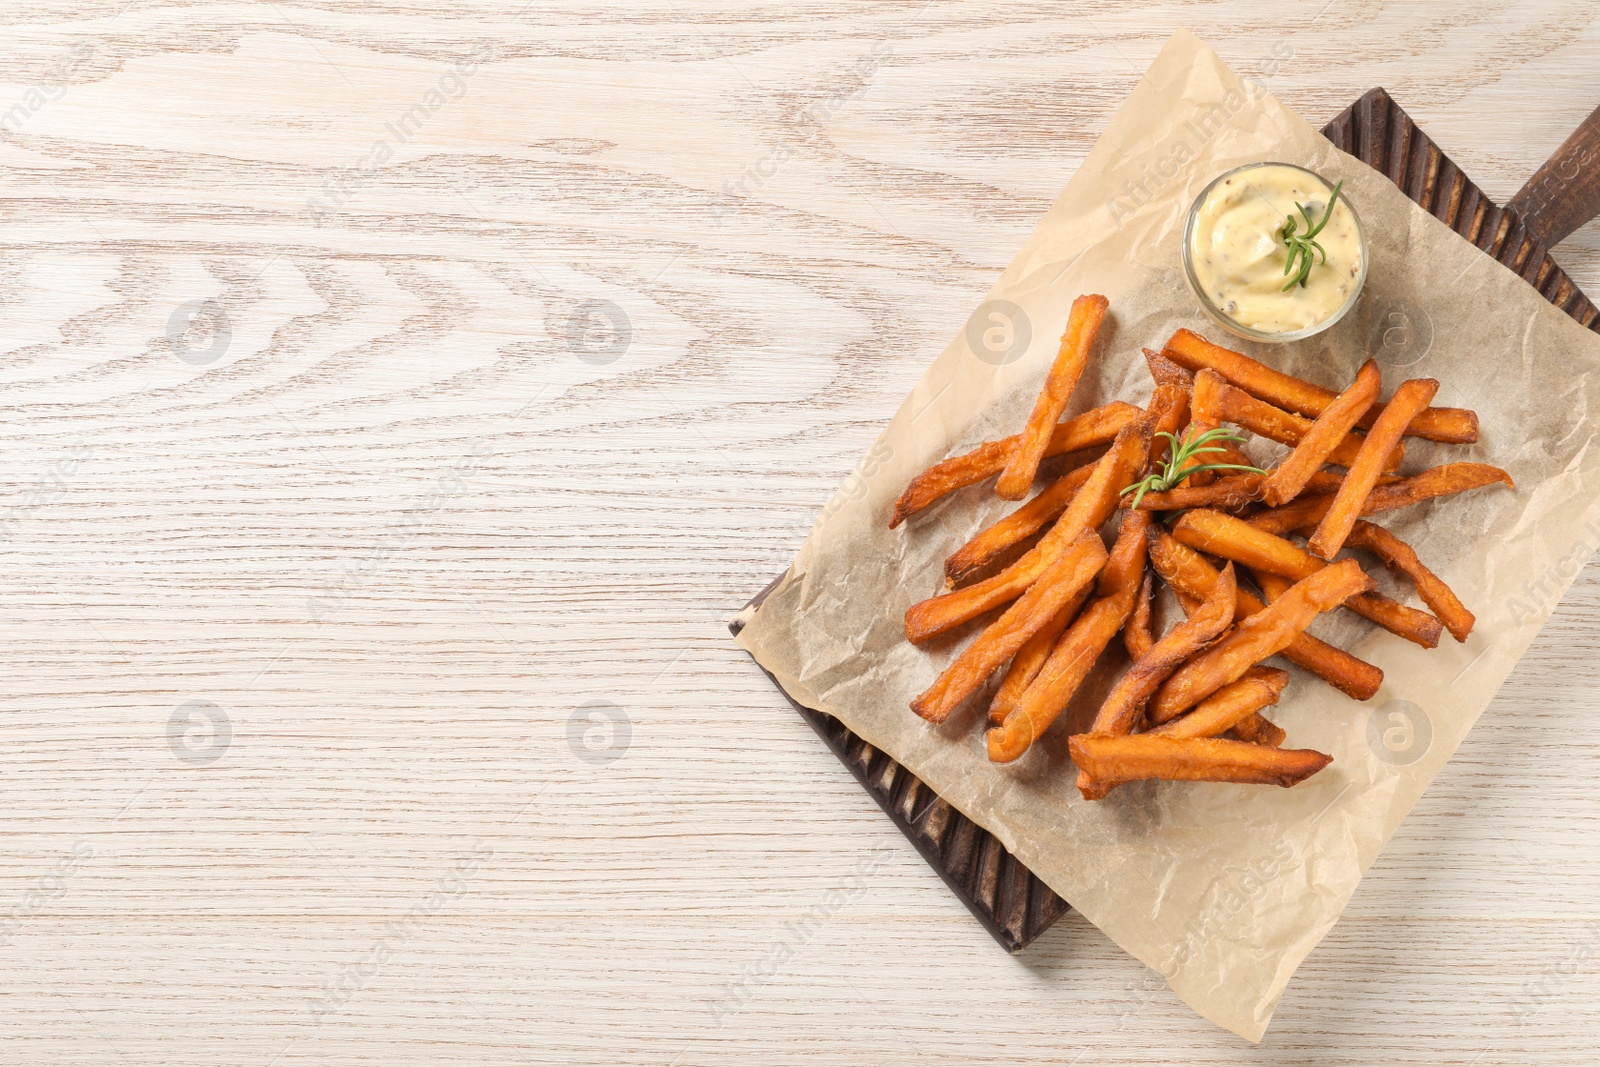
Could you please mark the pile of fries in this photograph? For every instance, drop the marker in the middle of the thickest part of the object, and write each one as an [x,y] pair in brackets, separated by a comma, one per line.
[1193,513]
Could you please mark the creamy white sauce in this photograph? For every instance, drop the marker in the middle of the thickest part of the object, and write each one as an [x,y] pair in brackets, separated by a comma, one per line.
[1237,255]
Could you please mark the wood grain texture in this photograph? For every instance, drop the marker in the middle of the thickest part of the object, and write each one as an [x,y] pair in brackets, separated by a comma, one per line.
[401,505]
[1007,898]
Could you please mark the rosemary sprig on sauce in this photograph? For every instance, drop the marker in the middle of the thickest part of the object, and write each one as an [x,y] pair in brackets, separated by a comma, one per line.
[1173,472]
[1301,246]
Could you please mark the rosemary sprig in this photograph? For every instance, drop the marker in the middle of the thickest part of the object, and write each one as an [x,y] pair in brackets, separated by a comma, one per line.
[1181,452]
[1300,246]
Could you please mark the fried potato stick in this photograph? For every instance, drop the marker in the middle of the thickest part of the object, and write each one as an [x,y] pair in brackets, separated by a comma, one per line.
[1189,349]
[1120,711]
[1234,703]
[1191,578]
[1089,430]
[1201,424]
[990,543]
[1136,635]
[1192,759]
[1233,493]
[1164,371]
[1089,510]
[1223,535]
[1298,514]
[1411,398]
[1445,480]
[1227,494]
[1083,325]
[1328,482]
[1122,707]
[1203,417]
[1263,634]
[1168,409]
[1328,430]
[1232,453]
[1401,557]
[1222,402]
[1062,580]
[1075,654]
[1024,666]
[1274,586]
[1259,731]
[1169,400]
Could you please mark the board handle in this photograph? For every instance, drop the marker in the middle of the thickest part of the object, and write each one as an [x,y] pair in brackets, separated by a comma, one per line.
[1565,193]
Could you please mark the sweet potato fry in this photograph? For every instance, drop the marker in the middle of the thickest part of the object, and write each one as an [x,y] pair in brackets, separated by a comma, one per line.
[994,541]
[1204,417]
[1070,573]
[1075,654]
[1088,511]
[1446,479]
[1274,586]
[1124,571]
[1321,483]
[1169,401]
[1096,427]
[1083,325]
[1227,452]
[1188,349]
[1168,408]
[1232,453]
[1192,759]
[1299,513]
[1223,535]
[1164,371]
[1226,494]
[1434,482]
[1327,431]
[1411,398]
[1136,635]
[1024,666]
[1122,707]
[1399,556]
[1162,417]
[1259,731]
[1263,634]
[1222,402]
[1234,703]
[1199,426]
[1191,578]
[1120,711]
[1234,493]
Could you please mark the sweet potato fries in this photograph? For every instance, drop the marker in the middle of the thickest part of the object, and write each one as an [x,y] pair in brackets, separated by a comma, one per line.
[1188,706]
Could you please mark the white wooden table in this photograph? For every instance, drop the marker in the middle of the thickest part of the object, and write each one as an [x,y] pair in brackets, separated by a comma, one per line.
[363,449]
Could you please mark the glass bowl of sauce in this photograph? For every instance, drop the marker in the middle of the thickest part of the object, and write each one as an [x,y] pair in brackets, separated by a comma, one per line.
[1234,252]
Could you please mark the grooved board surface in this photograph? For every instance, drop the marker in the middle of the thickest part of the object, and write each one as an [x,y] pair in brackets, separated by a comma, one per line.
[1379,132]
[388,435]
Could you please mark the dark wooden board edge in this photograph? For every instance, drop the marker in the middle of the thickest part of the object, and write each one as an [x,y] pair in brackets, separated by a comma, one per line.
[1011,901]
[1377,131]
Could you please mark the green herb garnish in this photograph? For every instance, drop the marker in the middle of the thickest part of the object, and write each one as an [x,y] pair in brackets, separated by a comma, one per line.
[1181,452]
[1302,245]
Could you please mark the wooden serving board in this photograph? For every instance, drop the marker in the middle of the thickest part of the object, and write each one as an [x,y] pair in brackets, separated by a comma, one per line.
[1010,901]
